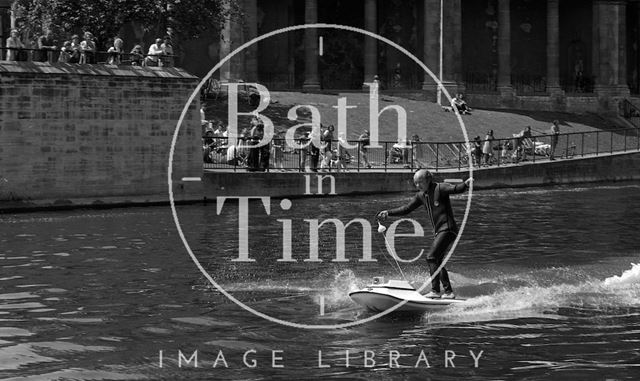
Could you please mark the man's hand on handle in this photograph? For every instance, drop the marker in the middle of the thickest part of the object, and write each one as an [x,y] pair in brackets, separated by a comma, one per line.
[468,182]
[381,216]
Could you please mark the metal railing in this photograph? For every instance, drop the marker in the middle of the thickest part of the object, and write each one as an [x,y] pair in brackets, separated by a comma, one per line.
[630,112]
[527,84]
[480,82]
[580,84]
[99,57]
[436,156]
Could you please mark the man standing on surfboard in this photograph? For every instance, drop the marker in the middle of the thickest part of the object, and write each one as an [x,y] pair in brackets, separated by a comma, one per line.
[435,197]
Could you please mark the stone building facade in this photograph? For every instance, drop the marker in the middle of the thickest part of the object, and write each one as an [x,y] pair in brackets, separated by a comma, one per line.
[499,52]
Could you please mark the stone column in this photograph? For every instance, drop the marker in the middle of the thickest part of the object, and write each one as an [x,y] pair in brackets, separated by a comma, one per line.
[311,78]
[370,43]
[553,49]
[431,46]
[225,49]
[610,51]
[250,32]
[231,37]
[452,37]
[504,49]
[14,15]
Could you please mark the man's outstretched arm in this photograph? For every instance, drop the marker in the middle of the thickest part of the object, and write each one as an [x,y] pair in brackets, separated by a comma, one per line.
[401,211]
[446,188]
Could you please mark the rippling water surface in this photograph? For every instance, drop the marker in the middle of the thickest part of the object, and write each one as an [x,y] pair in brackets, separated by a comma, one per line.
[105,295]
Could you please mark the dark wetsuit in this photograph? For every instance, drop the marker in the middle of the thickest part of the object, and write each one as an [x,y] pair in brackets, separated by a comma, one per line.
[436,201]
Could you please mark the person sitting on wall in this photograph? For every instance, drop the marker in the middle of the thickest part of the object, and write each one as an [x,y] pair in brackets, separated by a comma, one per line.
[460,104]
[155,51]
[136,56]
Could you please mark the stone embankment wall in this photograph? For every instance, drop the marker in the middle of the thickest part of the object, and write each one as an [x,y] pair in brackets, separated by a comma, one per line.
[608,168]
[93,132]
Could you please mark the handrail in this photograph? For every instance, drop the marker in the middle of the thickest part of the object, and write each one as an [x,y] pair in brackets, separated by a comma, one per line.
[417,154]
[31,55]
[630,112]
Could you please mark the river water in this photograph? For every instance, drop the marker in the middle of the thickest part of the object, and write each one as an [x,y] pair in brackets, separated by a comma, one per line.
[549,274]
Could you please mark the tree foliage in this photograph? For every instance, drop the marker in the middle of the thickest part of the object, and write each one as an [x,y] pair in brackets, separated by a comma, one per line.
[104,18]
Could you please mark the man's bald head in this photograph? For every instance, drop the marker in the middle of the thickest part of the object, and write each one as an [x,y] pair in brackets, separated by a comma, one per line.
[422,174]
[422,179]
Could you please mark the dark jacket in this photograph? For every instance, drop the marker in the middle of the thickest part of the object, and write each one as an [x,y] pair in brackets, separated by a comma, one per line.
[436,201]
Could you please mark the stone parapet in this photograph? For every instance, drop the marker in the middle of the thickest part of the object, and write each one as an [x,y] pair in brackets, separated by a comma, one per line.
[93,131]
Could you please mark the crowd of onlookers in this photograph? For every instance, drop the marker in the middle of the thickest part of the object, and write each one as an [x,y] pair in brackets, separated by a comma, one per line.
[85,51]
[489,151]
[333,156]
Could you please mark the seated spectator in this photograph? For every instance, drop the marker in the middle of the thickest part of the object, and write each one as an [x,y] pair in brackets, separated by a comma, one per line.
[46,45]
[400,152]
[14,44]
[459,103]
[153,56]
[136,55]
[234,155]
[115,52]
[167,50]
[65,52]
[76,49]
[88,49]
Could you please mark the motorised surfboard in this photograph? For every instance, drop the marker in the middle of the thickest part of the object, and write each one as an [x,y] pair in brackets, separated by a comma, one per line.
[380,296]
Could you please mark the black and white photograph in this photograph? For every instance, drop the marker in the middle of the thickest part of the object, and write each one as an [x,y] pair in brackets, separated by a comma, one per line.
[319,190]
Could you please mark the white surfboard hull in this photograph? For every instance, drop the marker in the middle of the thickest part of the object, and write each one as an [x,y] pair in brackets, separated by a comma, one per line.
[379,297]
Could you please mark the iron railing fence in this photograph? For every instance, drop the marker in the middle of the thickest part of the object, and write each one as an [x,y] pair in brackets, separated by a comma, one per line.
[99,57]
[393,156]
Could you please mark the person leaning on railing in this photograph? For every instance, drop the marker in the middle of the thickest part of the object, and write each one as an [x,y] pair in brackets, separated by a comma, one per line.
[88,49]
[75,50]
[167,52]
[14,44]
[65,52]
[46,46]
[115,52]
[154,53]
[136,56]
